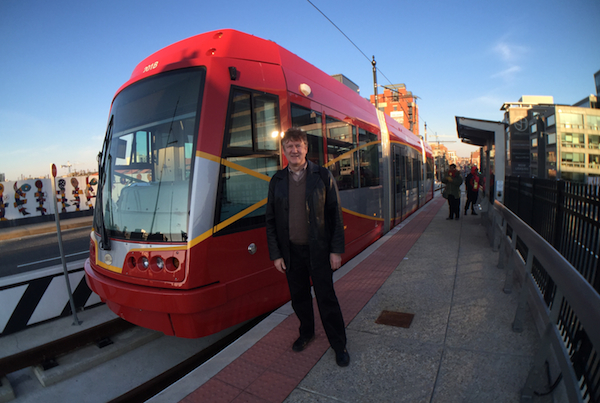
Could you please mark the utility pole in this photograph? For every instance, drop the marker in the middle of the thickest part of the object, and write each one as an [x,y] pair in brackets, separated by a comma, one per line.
[374,63]
[438,162]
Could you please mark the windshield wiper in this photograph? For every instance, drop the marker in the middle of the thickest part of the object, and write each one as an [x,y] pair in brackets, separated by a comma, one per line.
[161,172]
[103,158]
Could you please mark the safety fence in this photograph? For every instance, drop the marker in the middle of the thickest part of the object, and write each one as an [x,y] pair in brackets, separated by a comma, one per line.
[565,214]
[564,304]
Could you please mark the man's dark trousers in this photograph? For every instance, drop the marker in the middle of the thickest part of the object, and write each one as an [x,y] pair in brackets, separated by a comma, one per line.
[298,275]
[454,206]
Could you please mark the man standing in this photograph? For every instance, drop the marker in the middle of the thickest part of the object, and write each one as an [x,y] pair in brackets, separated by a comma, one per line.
[305,234]
[453,181]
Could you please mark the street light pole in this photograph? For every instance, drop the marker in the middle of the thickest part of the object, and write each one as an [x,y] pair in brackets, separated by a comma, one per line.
[374,63]
[76,321]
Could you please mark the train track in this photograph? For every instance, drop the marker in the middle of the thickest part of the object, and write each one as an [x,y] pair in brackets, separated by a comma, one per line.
[46,355]
[169,377]
[61,363]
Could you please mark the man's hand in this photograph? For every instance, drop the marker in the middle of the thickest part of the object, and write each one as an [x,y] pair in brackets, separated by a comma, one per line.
[280,265]
[335,260]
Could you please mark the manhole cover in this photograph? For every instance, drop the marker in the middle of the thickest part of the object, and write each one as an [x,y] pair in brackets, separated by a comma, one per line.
[398,319]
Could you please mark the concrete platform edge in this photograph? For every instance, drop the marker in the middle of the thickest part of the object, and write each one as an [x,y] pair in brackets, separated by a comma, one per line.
[205,372]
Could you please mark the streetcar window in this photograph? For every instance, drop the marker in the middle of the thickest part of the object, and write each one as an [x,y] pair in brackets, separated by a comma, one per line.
[142,152]
[368,158]
[341,158]
[266,116]
[250,159]
[429,168]
[121,148]
[311,122]
[145,195]
[240,126]
[409,169]
[241,191]
[253,122]
[416,172]
[132,148]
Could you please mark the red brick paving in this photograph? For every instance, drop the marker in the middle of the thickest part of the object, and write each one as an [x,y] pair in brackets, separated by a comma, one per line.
[269,371]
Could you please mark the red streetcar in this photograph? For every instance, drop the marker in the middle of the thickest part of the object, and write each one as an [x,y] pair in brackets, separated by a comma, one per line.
[179,241]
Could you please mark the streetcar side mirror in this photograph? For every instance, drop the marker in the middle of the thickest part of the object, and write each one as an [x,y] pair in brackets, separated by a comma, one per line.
[121,148]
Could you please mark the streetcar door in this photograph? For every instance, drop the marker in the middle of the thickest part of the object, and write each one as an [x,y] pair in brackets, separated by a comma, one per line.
[407,178]
[398,183]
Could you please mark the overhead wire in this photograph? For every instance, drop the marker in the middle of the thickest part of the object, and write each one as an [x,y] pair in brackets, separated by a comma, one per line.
[350,40]
[363,53]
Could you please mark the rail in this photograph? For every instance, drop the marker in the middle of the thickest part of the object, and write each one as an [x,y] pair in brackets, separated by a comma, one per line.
[49,351]
[564,305]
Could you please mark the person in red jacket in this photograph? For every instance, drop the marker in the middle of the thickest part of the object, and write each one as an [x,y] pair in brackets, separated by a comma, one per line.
[473,185]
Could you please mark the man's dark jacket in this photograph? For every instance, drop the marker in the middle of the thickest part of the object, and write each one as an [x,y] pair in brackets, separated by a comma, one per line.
[324,211]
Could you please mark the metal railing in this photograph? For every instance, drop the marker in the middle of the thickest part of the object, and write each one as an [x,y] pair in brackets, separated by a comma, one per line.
[563,303]
[565,214]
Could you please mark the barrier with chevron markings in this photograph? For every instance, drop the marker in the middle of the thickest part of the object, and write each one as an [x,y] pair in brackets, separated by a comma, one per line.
[35,297]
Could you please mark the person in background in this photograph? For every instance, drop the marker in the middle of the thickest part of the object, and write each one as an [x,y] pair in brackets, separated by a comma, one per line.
[472,184]
[453,180]
[305,235]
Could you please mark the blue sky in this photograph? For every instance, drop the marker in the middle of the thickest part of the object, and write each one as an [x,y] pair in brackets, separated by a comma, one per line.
[62,61]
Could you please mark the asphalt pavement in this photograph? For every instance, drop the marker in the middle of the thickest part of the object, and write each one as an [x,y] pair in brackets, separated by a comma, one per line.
[22,231]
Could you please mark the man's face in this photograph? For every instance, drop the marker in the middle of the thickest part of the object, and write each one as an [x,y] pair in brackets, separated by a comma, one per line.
[295,152]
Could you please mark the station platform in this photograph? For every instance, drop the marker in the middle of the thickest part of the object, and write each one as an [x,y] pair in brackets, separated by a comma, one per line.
[459,346]
[427,321]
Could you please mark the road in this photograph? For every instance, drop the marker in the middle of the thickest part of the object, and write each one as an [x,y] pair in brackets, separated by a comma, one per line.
[40,251]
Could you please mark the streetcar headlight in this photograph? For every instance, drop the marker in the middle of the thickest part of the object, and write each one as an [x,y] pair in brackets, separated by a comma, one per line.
[160,263]
[172,264]
[157,265]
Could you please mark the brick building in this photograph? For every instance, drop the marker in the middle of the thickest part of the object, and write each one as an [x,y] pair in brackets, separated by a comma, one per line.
[400,104]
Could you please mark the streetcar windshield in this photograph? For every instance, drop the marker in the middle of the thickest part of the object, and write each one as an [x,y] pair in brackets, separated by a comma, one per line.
[146,161]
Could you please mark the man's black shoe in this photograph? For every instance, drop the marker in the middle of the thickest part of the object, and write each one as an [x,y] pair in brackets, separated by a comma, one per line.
[342,358]
[302,342]
[473,213]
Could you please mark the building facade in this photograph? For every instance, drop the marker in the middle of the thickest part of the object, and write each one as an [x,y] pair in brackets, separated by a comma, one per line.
[565,142]
[400,104]
[552,141]
[518,153]
[475,159]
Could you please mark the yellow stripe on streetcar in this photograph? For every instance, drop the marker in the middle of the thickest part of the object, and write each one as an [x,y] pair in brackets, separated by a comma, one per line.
[354,213]
[236,217]
[256,206]
[207,156]
[346,154]
[233,165]
[239,215]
